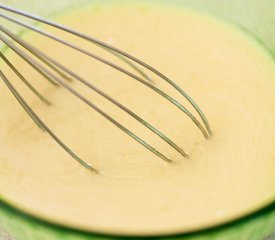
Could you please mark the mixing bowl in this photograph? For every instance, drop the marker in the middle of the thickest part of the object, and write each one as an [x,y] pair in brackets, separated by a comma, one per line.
[257,17]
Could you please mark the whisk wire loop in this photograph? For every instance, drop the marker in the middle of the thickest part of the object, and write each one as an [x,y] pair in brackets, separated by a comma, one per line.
[59,75]
[135,77]
[112,48]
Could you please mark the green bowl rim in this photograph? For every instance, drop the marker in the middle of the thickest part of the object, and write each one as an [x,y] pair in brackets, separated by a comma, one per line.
[59,227]
[252,215]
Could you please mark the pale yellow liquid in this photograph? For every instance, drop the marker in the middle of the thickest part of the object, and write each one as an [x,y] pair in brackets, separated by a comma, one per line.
[229,75]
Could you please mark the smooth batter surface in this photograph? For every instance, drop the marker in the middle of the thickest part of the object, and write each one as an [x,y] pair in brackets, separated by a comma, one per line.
[229,75]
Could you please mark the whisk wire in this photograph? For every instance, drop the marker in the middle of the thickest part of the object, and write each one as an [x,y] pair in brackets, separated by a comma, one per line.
[40,123]
[48,74]
[113,49]
[25,81]
[146,83]
[43,56]
[59,72]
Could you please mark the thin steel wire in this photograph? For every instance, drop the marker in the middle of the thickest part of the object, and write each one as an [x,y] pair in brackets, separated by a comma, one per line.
[113,49]
[44,72]
[135,77]
[43,56]
[59,72]
[40,123]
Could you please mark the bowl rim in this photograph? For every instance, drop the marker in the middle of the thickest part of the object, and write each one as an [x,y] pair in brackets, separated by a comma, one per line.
[258,211]
[244,218]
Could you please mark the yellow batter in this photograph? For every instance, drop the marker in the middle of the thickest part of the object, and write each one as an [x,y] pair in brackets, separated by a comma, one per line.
[229,75]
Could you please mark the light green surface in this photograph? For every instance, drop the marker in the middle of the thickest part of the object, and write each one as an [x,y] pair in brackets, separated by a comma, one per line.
[258,17]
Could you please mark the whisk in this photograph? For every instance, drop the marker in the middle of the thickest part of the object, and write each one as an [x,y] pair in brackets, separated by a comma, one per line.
[59,75]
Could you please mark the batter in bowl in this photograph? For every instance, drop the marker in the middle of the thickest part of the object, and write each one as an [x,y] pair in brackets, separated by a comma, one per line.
[227,72]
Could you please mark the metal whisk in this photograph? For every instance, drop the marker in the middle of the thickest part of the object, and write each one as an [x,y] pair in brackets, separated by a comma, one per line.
[58,74]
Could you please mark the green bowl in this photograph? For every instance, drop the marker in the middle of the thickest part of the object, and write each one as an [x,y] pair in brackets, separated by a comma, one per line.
[255,16]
